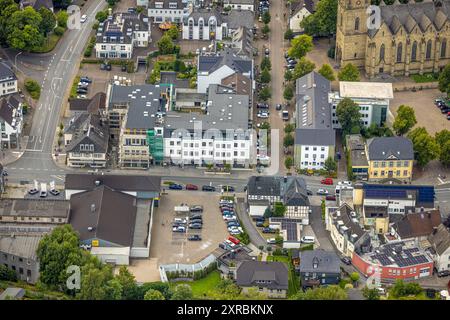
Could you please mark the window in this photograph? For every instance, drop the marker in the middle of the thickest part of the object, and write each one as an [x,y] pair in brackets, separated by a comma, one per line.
[357,24]
[382,52]
[443,48]
[414,51]
[399,52]
[428,53]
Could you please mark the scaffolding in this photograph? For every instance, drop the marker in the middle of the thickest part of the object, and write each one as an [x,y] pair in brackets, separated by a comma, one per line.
[156,146]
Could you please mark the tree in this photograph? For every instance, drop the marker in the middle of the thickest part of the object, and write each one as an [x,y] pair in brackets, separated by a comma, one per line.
[288,75]
[288,34]
[444,80]
[330,164]
[266,29]
[128,283]
[288,162]
[152,294]
[56,252]
[289,128]
[24,30]
[371,294]
[173,32]
[33,88]
[7,8]
[323,21]
[348,115]
[405,120]
[425,146]
[443,140]
[97,283]
[303,67]
[327,72]
[48,22]
[400,289]
[266,17]
[101,16]
[264,94]
[354,276]
[288,93]
[265,76]
[112,3]
[182,292]
[288,140]
[265,64]
[349,73]
[61,19]
[165,45]
[162,287]
[300,46]
[332,292]
[279,209]
[7,274]
[377,131]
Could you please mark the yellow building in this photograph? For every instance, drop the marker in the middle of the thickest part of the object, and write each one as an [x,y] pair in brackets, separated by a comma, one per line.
[390,158]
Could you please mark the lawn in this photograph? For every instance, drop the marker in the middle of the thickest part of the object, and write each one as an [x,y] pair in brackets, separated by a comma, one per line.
[73,90]
[202,286]
[49,44]
[426,77]
[294,281]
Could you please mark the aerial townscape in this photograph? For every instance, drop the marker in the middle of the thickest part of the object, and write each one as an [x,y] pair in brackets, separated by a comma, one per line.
[225,150]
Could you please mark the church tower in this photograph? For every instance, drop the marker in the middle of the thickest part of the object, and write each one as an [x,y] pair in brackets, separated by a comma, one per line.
[351,32]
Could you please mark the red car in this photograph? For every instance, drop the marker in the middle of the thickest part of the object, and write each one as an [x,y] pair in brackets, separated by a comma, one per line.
[191,187]
[330,198]
[234,240]
[328,181]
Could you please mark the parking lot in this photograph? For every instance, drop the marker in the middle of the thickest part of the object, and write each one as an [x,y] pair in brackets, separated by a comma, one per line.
[173,247]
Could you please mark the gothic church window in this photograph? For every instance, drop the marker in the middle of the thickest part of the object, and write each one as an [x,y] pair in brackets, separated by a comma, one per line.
[414,51]
[356,24]
[443,48]
[428,53]
[399,52]
[382,52]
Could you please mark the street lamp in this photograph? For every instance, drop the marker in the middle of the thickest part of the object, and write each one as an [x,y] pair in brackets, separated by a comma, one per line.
[15,60]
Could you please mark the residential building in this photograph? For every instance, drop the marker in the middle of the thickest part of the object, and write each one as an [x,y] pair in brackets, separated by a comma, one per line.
[94,105]
[37,4]
[290,229]
[319,268]
[228,261]
[299,11]
[270,278]
[395,48]
[212,69]
[86,141]
[416,226]
[264,191]
[355,146]
[372,97]
[120,34]
[240,4]
[33,212]
[241,84]
[345,230]
[242,42]
[166,11]
[11,121]
[8,80]
[390,158]
[314,135]
[398,260]
[440,247]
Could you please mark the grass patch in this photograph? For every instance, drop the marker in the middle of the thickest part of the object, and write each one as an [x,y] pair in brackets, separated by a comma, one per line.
[73,90]
[294,281]
[49,44]
[201,287]
[33,292]
[426,77]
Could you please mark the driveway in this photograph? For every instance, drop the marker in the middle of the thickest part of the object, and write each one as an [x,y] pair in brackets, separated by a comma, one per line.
[243,216]
[315,220]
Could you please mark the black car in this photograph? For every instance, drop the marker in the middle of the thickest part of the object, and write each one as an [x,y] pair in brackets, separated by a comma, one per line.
[85,79]
[278,107]
[123,68]
[346,260]
[81,91]
[258,219]
[228,188]
[195,221]
[33,191]
[196,216]
[260,224]
[54,192]
[444,273]
[209,188]
[309,192]
[195,237]
[268,230]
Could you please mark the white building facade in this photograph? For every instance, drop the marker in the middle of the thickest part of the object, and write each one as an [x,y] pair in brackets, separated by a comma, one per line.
[166,10]
[203,28]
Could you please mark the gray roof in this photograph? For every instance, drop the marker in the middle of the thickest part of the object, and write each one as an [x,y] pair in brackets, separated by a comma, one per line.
[111,215]
[6,73]
[225,110]
[34,208]
[119,27]
[319,261]
[93,105]
[143,101]
[295,194]
[409,15]
[239,18]
[144,183]
[315,137]
[206,14]
[352,227]
[274,274]
[88,129]
[9,109]
[310,5]
[20,246]
[210,63]
[170,77]
[390,148]
[440,239]
[12,293]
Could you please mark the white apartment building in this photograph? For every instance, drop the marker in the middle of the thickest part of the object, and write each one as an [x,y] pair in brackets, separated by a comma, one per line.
[313,156]
[120,33]
[166,10]
[240,4]
[11,122]
[8,80]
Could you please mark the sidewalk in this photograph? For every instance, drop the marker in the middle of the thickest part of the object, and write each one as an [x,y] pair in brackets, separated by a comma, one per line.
[8,156]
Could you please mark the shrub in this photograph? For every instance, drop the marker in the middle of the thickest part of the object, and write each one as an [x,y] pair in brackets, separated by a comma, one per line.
[33,88]
[59,31]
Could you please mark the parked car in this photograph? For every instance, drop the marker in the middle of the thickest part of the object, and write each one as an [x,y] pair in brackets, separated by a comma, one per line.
[196,221]
[227,213]
[81,91]
[262,106]
[175,186]
[307,239]
[330,197]
[225,209]
[233,223]
[263,115]
[195,237]
[267,52]
[444,273]
[271,241]
[327,181]
[179,220]
[285,115]
[196,216]
[346,260]
[259,219]
[195,226]
[83,18]
[191,187]
[229,218]
[228,188]
[179,229]
[85,79]
[234,240]
[278,107]
[268,230]
[309,192]
[322,192]
[225,201]
[54,192]
[345,182]
[260,224]
[196,208]
[33,191]
[209,188]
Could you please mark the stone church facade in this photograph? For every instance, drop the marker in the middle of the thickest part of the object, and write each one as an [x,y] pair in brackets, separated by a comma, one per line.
[412,38]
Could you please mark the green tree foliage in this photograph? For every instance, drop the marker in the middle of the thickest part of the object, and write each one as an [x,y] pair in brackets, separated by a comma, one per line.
[48,22]
[173,32]
[354,276]
[303,67]
[300,46]
[56,252]
[323,21]
[128,284]
[182,292]
[112,3]
[101,16]
[7,274]
[443,141]
[264,94]
[348,115]
[98,283]
[279,209]
[266,17]
[371,294]
[288,93]
[288,140]
[377,131]
[162,287]
[289,128]
[288,34]
[7,8]
[323,293]
[24,30]
[444,80]
[288,162]
[61,19]
[327,72]
[288,75]
[265,76]
[405,120]
[349,73]
[33,88]
[265,29]
[330,164]
[165,45]
[401,289]
[265,64]
[152,294]
[425,146]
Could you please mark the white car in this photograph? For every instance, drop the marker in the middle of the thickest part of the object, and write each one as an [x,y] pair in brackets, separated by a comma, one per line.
[347,183]
[83,18]
[322,191]
[229,218]
[83,96]
[271,241]
[263,115]
[307,239]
